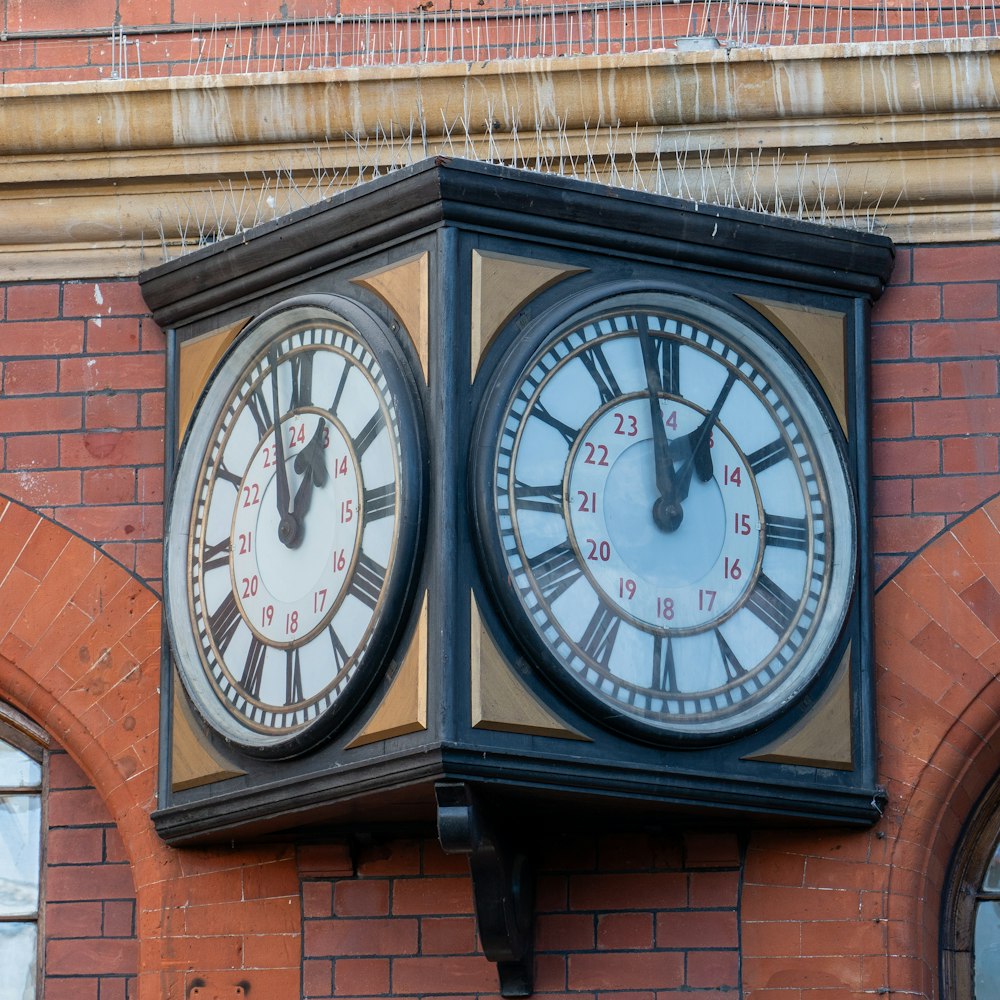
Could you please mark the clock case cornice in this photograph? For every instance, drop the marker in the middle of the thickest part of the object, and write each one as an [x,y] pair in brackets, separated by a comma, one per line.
[451,210]
[452,192]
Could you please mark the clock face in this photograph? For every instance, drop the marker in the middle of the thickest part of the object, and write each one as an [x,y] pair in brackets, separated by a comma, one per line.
[292,526]
[665,514]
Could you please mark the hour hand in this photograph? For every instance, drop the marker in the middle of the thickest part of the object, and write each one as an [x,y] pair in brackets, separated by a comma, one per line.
[310,463]
[288,527]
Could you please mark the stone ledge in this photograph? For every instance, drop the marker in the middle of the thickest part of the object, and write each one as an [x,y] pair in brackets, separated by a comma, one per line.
[104,179]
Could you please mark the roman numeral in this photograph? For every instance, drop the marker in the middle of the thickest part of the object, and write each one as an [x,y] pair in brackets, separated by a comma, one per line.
[293,677]
[569,433]
[257,405]
[335,405]
[770,454]
[253,667]
[224,621]
[734,669]
[216,556]
[368,433]
[380,502]
[772,605]
[668,365]
[301,365]
[547,499]
[555,570]
[339,650]
[664,671]
[598,639]
[785,532]
[600,371]
[366,584]
[223,473]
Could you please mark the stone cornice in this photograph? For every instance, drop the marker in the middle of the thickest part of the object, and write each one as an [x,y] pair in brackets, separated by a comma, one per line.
[96,179]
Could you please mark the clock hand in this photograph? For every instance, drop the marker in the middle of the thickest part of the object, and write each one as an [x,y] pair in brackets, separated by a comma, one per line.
[312,462]
[699,440]
[288,525]
[667,511]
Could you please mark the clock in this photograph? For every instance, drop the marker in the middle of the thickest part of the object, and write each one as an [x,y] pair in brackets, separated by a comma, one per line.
[664,512]
[293,525]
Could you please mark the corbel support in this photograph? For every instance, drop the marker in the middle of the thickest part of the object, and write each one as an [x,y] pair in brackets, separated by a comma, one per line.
[503,883]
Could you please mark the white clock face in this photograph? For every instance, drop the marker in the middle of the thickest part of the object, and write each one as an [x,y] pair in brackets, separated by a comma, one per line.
[669,501]
[285,527]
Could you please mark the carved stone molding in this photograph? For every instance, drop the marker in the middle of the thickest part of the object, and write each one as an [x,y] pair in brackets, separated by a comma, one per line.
[101,179]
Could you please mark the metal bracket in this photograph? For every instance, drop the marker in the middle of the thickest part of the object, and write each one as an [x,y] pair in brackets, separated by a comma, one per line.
[503,883]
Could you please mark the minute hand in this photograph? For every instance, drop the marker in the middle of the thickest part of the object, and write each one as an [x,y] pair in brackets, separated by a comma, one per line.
[700,457]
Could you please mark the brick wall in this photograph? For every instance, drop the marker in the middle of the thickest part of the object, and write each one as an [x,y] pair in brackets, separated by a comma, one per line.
[628,916]
[91,949]
[935,349]
[128,39]
[81,413]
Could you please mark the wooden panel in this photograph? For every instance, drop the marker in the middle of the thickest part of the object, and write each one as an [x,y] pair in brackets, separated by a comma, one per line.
[823,737]
[193,761]
[819,337]
[197,361]
[501,285]
[404,288]
[404,707]
[500,701]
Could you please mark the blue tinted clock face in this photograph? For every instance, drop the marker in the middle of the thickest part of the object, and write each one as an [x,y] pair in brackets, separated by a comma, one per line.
[289,551]
[666,493]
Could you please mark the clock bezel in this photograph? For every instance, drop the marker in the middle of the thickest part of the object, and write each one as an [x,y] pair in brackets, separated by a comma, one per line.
[504,372]
[395,601]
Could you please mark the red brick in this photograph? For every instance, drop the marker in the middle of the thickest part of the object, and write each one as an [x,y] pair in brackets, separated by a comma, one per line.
[75,845]
[81,882]
[957,263]
[719,969]
[612,970]
[106,372]
[890,341]
[361,976]
[59,413]
[38,339]
[908,302]
[623,931]
[439,974]
[906,458]
[564,932]
[33,377]
[126,447]
[151,409]
[432,895]
[360,937]
[317,978]
[109,486]
[32,302]
[970,454]
[26,15]
[74,988]
[942,418]
[119,522]
[361,898]
[968,378]
[969,339]
[713,889]
[953,493]
[892,420]
[711,850]
[109,335]
[33,451]
[693,929]
[41,488]
[893,497]
[904,380]
[449,936]
[970,300]
[655,890]
[119,918]
[112,298]
[317,898]
[111,410]
[72,920]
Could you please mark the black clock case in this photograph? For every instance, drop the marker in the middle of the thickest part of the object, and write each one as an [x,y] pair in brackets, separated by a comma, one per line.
[455,213]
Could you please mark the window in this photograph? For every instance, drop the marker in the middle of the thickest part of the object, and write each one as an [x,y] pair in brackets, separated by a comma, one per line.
[21,777]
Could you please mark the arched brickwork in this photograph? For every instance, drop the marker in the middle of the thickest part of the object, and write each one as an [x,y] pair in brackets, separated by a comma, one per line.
[80,654]
[860,911]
